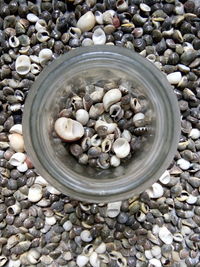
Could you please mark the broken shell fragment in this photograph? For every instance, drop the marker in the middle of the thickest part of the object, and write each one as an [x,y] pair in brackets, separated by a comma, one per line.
[69,130]
[23,65]
[121,147]
[111,97]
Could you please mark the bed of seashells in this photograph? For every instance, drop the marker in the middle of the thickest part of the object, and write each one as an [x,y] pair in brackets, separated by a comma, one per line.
[105,126]
[41,227]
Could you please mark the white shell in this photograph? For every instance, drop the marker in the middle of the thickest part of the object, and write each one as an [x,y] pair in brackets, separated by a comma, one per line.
[155,262]
[81,260]
[99,37]
[156,251]
[23,64]
[17,128]
[108,16]
[40,25]
[13,41]
[111,97]
[174,77]
[155,191]
[95,140]
[14,209]
[40,180]
[17,159]
[22,167]
[191,199]
[32,17]
[87,42]
[68,129]
[86,236]
[94,260]
[35,193]
[121,147]
[113,209]
[34,59]
[86,22]
[97,95]
[127,135]
[165,178]
[42,36]
[165,235]
[33,256]
[114,161]
[67,225]
[101,248]
[50,220]
[194,133]
[14,263]
[138,117]
[99,17]
[52,190]
[45,55]
[82,116]
[3,260]
[110,126]
[183,164]
[145,7]
[16,142]
[35,68]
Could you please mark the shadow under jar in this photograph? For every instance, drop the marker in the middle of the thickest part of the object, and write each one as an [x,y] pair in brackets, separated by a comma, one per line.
[73,72]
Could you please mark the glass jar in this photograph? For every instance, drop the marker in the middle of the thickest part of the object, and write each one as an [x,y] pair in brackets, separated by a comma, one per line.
[73,72]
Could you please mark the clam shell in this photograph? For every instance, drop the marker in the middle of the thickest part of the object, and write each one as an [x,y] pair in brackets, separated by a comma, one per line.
[113,209]
[23,65]
[35,193]
[16,142]
[81,260]
[45,55]
[111,97]
[86,22]
[94,260]
[121,147]
[155,191]
[69,130]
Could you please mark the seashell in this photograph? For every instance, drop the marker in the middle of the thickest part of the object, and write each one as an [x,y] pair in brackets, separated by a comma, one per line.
[13,41]
[40,25]
[155,262]
[99,17]
[74,32]
[178,237]
[12,241]
[116,112]
[139,119]
[32,18]
[87,42]
[140,216]
[50,220]
[23,167]
[86,236]
[41,181]
[165,235]
[183,196]
[69,130]
[82,116]
[87,102]
[52,190]
[183,164]
[35,59]
[110,126]
[102,131]
[14,263]
[111,97]
[135,105]
[96,110]
[3,260]
[95,140]
[104,258]
[97,95]
[155,191]
[103,161]
[35,193]
[86,22]
[101,248]
[114,161]
[81,260]
[17,159]
[106,145]
[113,209]
[94,260]
[108,16]
[43,203]
[156,251]
[33,256]
[194,133]
[191,199]
[23,65]
[14,209]
[17,128]
[174,77]
[127,135]
[35,68]
[88,249]
[99,37]
[94,152]
[86,143]
[67,225]
[145,7]
[76,150]
[45,55]
[121,5]
[15,107]
[16,142]
[121,147]
[165,177]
